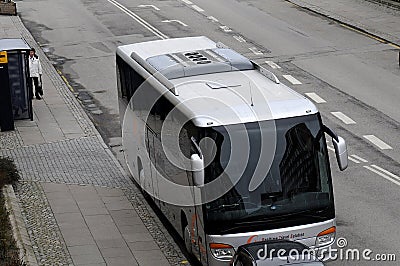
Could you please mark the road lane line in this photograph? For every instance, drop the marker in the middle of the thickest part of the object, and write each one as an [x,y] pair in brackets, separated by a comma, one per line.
[386,172]
[382,174]
[292,80]
[378,142]
[239,38]
[315,97]
[152,6]
[352,159]
[66,82]
[213,19]
[175,20]
[359,158]
[256,51]
[345,119]
[187,2]
[225,28]
[273,65]
[141,21]
[197,8]
[364,33]
[330,148]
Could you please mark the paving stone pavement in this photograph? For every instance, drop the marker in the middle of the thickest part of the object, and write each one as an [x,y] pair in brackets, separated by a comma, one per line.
[73,161]
[10,140]
[78,204]
[46,238]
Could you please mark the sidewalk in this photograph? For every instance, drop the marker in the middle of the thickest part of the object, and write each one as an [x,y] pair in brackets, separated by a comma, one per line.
[379,20]
[78,204]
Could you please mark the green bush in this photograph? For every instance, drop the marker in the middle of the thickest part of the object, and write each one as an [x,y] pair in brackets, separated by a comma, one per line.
[8,172]
[8,250]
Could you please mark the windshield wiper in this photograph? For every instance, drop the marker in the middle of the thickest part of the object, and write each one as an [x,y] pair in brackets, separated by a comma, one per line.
[238,224]
[263,219]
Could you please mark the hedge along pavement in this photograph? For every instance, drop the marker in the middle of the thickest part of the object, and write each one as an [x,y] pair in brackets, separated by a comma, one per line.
[9,252]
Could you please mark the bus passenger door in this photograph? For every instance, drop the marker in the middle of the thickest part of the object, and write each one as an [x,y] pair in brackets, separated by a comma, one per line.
[199,244]
[149,180]
[200,236]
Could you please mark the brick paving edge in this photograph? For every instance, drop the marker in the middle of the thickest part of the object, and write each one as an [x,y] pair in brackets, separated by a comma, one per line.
[20,233]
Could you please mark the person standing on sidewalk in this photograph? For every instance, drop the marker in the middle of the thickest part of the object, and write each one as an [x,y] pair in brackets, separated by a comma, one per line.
[35,73]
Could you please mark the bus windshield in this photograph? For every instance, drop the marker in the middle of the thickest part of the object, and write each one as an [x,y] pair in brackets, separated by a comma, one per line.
[298,183]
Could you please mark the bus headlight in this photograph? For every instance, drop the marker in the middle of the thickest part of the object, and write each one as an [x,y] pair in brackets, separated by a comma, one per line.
[326,237]
[222,251]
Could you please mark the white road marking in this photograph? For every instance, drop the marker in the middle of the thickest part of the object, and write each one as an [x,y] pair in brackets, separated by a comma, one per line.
[225,28]
[197,8]
[345,119]
[352,159]
[386,172]
[239,38]
[292,80]
[376,141]
[382,175]
[213,19]
[359,158]
[256,51]
[315,97]
[152,6]
[187,2]
[141,21]
[273,65]
[330,148]
[175,20]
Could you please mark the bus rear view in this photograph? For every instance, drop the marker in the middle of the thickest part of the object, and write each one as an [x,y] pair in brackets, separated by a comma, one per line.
[229,154]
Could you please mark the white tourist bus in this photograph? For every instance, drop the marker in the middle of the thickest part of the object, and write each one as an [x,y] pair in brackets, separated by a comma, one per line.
[228,153]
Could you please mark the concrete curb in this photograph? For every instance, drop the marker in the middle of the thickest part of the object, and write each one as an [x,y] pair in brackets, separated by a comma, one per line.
[348,22]
[20,233]
[391,3]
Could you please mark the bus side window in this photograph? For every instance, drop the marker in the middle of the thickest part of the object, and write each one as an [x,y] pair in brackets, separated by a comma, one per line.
[129,79]
[136,81]
[121,76]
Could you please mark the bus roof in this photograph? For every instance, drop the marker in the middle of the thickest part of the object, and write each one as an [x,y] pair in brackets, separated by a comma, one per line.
[239,97]
[161,47]
[217,85]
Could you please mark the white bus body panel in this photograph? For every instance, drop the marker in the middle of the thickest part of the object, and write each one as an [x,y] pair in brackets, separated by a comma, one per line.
[305,234]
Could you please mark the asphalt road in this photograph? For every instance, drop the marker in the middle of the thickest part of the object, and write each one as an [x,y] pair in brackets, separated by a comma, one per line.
[353,73]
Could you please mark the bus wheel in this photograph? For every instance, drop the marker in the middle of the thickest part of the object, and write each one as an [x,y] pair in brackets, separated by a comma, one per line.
[187,239]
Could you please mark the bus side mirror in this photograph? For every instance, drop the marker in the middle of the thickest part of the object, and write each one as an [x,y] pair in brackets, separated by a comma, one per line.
[341,152]
[197,165]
